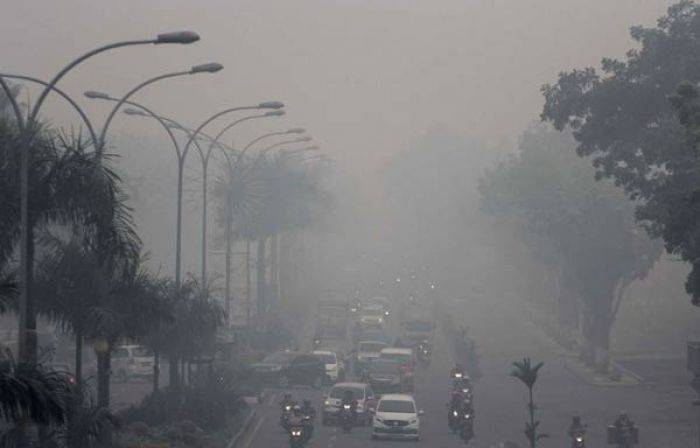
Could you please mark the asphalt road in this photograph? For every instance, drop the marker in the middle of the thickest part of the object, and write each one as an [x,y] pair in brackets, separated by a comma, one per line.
[665,420]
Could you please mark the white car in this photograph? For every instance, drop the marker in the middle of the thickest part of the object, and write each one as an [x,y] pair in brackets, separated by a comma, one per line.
[334,366]
[396,416]
[129,361]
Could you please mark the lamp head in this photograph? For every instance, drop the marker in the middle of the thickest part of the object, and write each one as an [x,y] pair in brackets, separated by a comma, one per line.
[177,37]
[135,112]
[271,105]
[95,95]
[210,67]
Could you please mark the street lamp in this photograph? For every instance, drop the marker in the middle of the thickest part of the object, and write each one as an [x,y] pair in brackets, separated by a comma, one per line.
[27,317]
[210,67]
[60,92]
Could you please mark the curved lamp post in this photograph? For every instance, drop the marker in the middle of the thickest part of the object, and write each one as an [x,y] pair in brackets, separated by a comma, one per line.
[182,155]
[60,92]
[27,317]
[211,67]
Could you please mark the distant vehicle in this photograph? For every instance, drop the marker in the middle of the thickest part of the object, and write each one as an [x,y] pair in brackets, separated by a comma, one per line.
[405,358]
[372,316]
[382,302]
[362,392]
[384,376]
[372,334]
[368,351]
[335,368]
[418,330]
[132,361]
[64,370]
[291,368]
[396,417]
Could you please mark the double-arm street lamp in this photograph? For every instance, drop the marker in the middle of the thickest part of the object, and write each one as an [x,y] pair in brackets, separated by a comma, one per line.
[28,128]
[181,159]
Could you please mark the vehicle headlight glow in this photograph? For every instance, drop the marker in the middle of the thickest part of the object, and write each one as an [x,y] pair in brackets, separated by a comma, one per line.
[327,403]
[579,438]
[386,313]
[455,413]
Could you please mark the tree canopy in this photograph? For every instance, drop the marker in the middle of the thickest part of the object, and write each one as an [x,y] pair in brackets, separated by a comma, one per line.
[622,118]
[584,229]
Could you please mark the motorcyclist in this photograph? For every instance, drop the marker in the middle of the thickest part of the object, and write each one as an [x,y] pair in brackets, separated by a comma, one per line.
[307,408]
[308,414]
[287,400]
[625,430]
[577,430]
[349,398]
[457,372]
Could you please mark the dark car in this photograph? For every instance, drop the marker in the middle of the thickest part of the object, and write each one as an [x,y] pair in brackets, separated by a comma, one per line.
[384,376]
[291,369]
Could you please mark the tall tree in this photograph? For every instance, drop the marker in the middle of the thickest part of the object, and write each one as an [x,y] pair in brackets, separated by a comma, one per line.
[583,228]
[623,120]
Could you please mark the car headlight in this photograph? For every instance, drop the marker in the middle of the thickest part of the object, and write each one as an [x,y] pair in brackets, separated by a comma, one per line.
[386,313]
[327,403]
[455,413]
[379,419]
[413,421]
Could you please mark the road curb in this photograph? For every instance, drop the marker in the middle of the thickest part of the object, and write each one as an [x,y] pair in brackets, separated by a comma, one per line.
[244,435]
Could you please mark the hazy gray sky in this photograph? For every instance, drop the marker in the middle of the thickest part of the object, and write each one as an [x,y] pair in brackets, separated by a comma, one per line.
[366,76]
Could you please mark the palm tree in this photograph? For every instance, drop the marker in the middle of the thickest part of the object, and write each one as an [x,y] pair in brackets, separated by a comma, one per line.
[70,185]
[191,331]
[29,393]
[527,373]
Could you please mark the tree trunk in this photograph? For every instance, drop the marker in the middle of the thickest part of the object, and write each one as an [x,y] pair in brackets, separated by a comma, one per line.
[596,331]
[173,372]
[78,357]
[104,367]
[156,372]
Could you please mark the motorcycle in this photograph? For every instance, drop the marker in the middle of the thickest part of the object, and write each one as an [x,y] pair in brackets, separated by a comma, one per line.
[466,430]
[286,414]
[347,418]
[453,419]
[578,440]
[297,436]
[424,354]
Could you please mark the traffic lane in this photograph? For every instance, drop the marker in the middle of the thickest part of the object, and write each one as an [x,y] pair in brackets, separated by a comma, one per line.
[502,337]
[431,394]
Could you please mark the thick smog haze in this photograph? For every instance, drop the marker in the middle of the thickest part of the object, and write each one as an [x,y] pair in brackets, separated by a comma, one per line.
[460,222]
[372,76]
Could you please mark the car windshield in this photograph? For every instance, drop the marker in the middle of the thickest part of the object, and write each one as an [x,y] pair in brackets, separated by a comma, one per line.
[397,406]
[339,392]
[402,358]
[278,358]
[142,352]
[419,326]
[371,346]
[326,358]
[384,367]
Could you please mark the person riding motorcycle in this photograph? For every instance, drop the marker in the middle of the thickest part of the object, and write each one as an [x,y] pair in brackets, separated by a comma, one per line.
[457,372]
[577,432]
[625,430]
[348,411]
[308,409]
[287,401]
